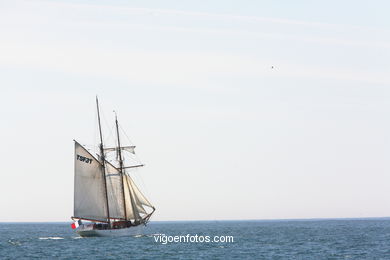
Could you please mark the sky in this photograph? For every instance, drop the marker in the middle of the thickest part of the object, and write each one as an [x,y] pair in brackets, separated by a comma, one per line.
[239,109]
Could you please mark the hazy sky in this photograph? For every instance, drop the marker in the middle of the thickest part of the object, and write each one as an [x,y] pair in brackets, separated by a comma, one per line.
[222,133]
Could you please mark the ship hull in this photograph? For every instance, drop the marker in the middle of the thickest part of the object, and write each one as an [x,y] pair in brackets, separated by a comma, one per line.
[130,231]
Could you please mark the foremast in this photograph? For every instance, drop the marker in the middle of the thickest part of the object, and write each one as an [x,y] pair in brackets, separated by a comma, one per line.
[103,161]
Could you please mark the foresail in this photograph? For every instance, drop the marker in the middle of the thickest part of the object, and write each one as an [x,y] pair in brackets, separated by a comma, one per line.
[142,200]
[89,190]
[131,208]
[138,199]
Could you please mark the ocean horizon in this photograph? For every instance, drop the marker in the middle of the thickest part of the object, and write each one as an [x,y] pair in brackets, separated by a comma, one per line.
[224,220]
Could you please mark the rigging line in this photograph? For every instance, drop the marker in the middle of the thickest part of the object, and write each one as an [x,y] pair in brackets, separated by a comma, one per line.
[136,157]
[108,154]
[125,134]
[107,138]
[111,132]
[95,134]
[140,180]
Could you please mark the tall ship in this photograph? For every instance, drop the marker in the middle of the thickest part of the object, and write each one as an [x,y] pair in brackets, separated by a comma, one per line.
[107,201]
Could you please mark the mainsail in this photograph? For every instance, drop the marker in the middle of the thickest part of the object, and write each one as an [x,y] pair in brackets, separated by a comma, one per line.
[89,190]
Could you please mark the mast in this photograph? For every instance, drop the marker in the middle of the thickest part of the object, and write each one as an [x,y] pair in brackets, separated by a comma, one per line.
[132,202]
[103,162]
[120,165]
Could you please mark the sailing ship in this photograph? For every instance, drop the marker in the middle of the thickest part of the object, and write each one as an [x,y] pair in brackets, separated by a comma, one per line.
[105,195]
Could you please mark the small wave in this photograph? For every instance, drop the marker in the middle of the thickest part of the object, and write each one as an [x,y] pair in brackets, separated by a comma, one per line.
[76,237]
[54,238]
[15,243]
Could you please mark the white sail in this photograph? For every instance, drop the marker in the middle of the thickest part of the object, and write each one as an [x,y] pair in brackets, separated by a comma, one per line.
[131,208]
[141,199]
[114,192]
[136,198]
[89,190]
[129,148]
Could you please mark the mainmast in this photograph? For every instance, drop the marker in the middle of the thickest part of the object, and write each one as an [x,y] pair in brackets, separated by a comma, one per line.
[121,168]
[120,165]
[103,161]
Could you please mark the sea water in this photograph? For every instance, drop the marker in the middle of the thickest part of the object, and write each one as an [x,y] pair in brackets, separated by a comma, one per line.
[279,239]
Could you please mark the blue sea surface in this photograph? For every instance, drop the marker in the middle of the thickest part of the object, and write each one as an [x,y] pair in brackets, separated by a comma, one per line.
[279,239]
